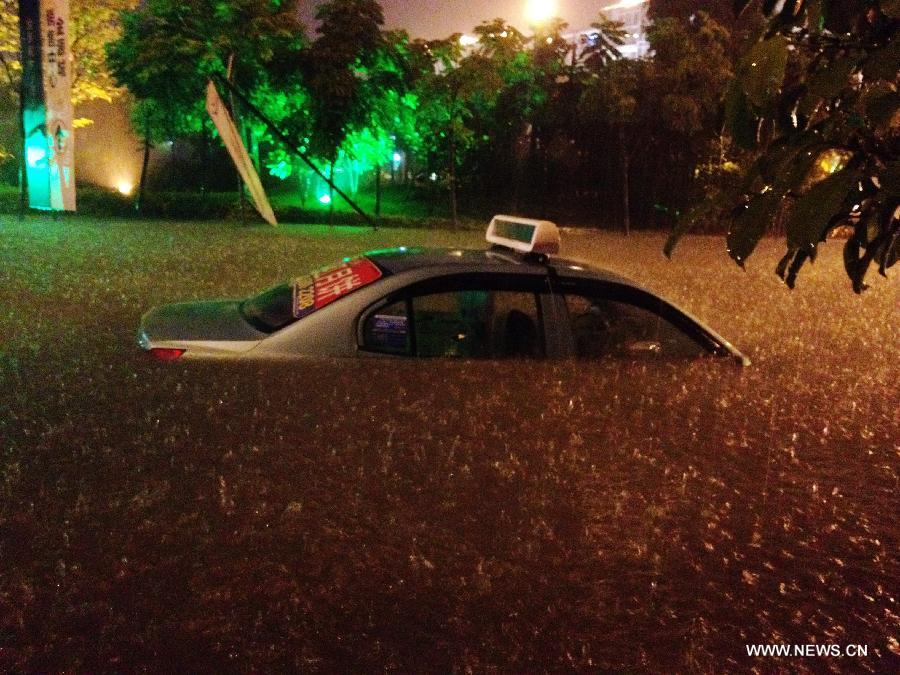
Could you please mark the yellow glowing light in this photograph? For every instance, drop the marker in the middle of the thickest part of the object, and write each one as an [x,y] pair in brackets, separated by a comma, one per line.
[539,11]
[125,187]
[832,161]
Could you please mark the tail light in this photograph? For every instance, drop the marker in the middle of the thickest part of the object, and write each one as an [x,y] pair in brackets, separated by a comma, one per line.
[166,354]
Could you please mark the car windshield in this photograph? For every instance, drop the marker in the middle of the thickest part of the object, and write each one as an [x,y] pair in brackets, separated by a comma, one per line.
[270,310]
[275,308]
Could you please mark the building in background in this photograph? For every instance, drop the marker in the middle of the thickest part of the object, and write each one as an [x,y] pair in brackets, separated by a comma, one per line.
[632,14]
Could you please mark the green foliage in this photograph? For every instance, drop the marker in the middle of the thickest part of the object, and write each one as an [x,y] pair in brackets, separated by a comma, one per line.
[170,48]
[760,74]
[336,67]
[821,86]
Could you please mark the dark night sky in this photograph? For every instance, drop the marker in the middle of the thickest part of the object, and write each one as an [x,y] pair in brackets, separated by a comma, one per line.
[440,18]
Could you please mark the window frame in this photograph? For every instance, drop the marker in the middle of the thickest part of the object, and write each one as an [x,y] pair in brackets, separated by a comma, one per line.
[636,297]
[535,284]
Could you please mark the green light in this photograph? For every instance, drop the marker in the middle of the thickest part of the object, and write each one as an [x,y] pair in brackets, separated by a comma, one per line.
[325,199]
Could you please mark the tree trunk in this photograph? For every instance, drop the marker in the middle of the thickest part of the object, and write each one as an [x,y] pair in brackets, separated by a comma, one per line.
[242,198]
[625,182]
[205,153]
[454,210]
[377,191]
[252,147]
[331,194]
[145,162]
[23,167]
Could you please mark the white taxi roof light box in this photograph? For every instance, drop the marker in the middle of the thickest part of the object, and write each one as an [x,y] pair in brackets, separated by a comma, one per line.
[525,235]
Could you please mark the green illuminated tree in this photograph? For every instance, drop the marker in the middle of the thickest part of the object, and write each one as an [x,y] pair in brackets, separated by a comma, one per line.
[393,107]
[336,67]
[169,49]
[817,98]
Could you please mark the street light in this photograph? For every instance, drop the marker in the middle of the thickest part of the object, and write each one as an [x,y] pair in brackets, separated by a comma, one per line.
[539,11]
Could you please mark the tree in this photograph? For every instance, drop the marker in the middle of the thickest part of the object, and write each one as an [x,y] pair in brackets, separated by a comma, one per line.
[740,26]
[659,117]
[170,48]
[610,102]
[336,67]
[448,85]
[682,98]
[93,24]
[817,98]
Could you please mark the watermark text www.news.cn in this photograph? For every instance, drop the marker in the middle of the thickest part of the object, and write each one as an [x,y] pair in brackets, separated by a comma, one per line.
[810,650]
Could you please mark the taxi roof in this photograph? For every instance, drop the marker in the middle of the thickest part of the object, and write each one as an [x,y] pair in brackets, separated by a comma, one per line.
[497,259]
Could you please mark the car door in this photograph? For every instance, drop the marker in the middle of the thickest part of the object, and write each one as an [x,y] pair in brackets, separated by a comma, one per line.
[612,320]
[474,315]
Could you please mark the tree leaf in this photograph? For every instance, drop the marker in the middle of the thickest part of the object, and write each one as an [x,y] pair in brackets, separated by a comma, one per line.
[882,63]
[889,178]
[749,225]
[781,267]
[739,117]
[812,215]
[800,258]
[882,111]
[815,13]
[761,71]
[787,163]
[855,266]
[685,224]
[827,82]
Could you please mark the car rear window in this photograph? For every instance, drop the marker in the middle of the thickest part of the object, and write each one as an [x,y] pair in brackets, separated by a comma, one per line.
[281,305]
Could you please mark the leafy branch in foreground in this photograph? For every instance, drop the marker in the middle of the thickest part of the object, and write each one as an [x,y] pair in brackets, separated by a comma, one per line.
[816,97]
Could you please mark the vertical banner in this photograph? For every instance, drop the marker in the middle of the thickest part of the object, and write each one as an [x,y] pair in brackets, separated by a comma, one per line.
[47,104]
[232,140]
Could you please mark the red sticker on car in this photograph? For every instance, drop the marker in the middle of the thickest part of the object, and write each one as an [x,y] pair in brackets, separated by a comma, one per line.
[323,288]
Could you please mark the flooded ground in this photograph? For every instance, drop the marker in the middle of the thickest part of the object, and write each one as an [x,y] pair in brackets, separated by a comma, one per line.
[363,516]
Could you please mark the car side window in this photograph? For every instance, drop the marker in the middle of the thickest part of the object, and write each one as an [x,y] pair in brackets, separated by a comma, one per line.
[477,324]
[387,330]
[603,327]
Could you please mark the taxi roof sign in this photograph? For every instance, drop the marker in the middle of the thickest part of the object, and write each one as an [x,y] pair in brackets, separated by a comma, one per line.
[524,234]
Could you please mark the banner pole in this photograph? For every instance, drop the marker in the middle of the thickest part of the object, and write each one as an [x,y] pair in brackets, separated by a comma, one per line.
[23,169]
[284,138]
